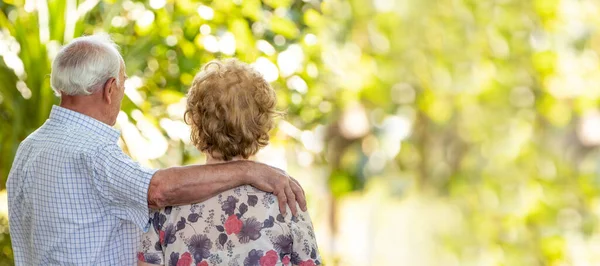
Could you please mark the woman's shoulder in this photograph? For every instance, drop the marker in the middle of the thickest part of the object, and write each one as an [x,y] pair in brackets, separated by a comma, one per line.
[239,200]
[243,199]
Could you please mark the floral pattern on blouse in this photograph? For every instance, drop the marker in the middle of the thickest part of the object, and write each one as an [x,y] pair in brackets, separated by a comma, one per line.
[241,226]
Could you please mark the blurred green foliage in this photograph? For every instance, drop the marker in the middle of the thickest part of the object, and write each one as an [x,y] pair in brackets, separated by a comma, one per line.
[488,105]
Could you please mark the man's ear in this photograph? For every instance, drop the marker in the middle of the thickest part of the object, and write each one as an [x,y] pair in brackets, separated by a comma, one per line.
[110,87]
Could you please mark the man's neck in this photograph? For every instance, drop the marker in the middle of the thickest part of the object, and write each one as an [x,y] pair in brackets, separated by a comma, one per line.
[86,107]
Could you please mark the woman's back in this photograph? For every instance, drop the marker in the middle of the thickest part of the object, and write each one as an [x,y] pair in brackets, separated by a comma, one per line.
[241,226]
[230,109]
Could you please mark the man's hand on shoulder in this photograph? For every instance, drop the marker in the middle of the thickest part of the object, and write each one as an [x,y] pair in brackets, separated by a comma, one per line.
[274,180]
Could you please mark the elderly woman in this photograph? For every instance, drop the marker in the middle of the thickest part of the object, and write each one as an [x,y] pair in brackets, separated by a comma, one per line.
[230,108]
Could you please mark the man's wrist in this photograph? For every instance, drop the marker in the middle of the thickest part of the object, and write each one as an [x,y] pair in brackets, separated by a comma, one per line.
[245,172]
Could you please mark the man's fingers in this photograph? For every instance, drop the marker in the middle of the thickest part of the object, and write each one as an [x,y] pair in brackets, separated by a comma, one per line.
[297,183]
[299,194]
[291,200]
[282,201]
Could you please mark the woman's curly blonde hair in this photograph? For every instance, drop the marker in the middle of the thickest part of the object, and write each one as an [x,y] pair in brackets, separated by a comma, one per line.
[230,108]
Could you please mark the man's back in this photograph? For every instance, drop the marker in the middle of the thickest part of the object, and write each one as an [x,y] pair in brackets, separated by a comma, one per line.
[62,197]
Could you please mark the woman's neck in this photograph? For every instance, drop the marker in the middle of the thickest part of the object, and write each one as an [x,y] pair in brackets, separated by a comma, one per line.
[212,160]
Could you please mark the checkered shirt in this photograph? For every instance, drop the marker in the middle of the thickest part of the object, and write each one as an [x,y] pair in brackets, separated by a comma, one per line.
[74,197]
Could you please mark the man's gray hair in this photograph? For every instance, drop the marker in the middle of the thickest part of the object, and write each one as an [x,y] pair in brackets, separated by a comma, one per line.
[83,66]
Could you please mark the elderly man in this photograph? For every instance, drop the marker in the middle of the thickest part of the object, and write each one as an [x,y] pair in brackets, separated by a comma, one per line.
[76,199]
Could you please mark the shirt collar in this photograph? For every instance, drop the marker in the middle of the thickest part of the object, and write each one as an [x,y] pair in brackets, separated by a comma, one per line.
[70,117]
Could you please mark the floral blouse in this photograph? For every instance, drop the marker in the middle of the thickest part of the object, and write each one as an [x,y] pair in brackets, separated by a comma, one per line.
[241,226]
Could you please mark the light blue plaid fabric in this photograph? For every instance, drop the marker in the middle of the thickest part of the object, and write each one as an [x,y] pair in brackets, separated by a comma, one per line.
[74,197]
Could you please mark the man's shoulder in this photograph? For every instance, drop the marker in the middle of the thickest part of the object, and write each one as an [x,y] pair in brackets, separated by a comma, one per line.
[51,136]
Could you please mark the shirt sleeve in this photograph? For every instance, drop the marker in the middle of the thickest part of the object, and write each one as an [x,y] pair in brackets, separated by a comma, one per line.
[124,184]
[304,247]
[151,250]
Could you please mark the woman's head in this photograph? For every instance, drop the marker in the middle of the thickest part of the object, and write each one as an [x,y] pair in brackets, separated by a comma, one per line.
[230,108]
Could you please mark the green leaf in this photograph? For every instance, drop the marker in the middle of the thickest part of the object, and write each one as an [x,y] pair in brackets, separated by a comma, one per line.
[284,26]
